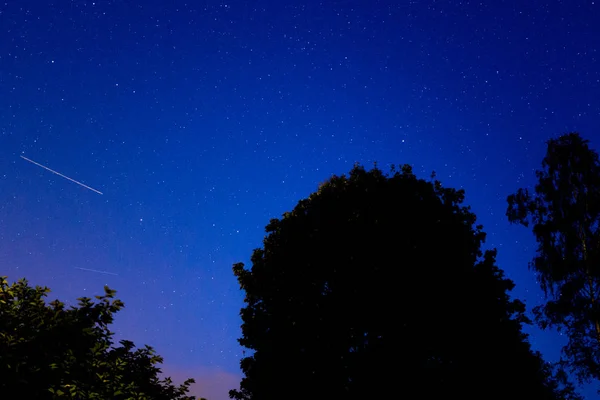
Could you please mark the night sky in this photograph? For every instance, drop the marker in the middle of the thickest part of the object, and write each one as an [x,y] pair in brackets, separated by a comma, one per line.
[200,121]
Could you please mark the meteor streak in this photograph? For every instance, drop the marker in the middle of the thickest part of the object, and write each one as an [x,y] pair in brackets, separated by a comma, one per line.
[99,272]
[61,175]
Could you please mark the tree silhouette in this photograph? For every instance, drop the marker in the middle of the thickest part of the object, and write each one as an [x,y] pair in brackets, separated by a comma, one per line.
[49,351]
[376,286]
[564,211]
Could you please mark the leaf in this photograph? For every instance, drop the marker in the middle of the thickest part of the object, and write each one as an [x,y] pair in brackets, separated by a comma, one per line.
[56,344]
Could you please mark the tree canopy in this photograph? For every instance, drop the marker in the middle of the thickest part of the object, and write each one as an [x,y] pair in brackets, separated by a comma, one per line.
[564,211]
[50,351]
[376,285]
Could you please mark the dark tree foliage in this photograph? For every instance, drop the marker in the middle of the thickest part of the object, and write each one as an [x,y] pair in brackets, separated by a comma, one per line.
[564,211]
[49,351]
[376,287]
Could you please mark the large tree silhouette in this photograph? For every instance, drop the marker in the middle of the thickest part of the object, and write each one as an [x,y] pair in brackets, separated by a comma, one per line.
[564,211]
[376,286]
[49,351]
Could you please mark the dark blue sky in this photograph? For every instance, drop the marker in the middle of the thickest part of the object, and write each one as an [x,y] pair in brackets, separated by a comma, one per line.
[200,121]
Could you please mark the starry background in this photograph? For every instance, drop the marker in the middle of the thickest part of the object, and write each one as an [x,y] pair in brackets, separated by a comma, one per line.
[200,121]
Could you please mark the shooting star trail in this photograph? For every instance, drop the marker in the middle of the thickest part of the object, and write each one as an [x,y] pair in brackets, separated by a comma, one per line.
[61,175]
[99,272]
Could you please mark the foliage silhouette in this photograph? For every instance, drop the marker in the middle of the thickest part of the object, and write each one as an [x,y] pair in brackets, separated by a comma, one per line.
[49,351]
[376,285]
[564,212]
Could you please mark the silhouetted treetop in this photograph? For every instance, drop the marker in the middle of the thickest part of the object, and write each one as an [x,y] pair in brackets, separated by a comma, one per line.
[564,212]
[376,285]
[50,351]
